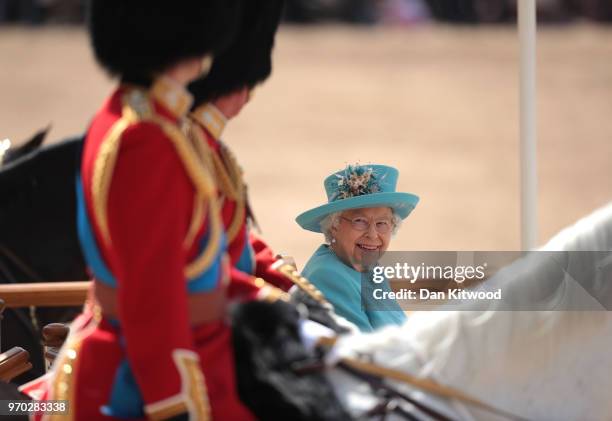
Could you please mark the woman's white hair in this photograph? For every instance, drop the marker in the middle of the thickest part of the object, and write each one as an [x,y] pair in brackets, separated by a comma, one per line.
[333,219]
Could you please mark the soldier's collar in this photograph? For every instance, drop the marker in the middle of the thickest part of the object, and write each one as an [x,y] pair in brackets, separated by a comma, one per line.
[172,96]
[211,118]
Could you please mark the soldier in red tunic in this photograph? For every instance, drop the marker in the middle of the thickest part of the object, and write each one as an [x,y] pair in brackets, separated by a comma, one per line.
[217,98]
[157,345]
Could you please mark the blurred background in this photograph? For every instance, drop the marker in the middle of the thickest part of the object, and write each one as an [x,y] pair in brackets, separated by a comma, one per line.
[428,86]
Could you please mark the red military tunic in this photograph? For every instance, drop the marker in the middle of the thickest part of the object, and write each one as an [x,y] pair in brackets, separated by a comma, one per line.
[159,346]
[250,255]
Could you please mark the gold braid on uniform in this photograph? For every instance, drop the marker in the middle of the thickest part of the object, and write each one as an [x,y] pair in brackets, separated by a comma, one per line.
[227,173]
[304,284]
[197,220]
[104,166]
[268,292]
[203,181]
[136,107]
[239,193]
[62,386]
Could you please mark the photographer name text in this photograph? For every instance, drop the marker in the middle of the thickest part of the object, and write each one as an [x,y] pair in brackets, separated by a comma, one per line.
[426,294]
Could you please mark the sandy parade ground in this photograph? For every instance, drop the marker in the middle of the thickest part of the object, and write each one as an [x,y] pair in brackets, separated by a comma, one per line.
[440,103]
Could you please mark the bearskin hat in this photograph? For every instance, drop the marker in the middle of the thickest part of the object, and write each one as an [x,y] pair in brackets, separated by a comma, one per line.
[248,60]
[135,39]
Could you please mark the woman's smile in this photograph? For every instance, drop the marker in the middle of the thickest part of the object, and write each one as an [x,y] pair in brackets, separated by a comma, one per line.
[368,247]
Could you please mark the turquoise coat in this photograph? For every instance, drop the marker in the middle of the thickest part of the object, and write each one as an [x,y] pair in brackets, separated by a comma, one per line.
[341,285]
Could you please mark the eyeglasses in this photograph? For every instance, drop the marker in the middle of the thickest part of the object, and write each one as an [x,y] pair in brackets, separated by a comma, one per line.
[382,226]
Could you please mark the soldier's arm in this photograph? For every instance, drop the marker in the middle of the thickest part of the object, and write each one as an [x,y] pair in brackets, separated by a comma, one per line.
[264,261]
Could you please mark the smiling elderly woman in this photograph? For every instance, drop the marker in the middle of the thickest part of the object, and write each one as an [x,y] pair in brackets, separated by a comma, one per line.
[362,213]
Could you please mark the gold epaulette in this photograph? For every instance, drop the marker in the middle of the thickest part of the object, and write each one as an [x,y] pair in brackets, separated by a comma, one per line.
[211,118]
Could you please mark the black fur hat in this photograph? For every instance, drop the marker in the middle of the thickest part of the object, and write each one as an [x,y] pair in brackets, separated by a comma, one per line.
[248,61]
[135,39]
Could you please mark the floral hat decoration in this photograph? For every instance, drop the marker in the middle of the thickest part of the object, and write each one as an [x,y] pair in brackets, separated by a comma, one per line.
[359,186]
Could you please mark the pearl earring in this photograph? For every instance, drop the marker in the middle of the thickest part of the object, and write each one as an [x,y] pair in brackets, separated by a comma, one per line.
[333,240]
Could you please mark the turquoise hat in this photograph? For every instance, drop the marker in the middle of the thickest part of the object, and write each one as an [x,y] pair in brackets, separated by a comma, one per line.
[359,186]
